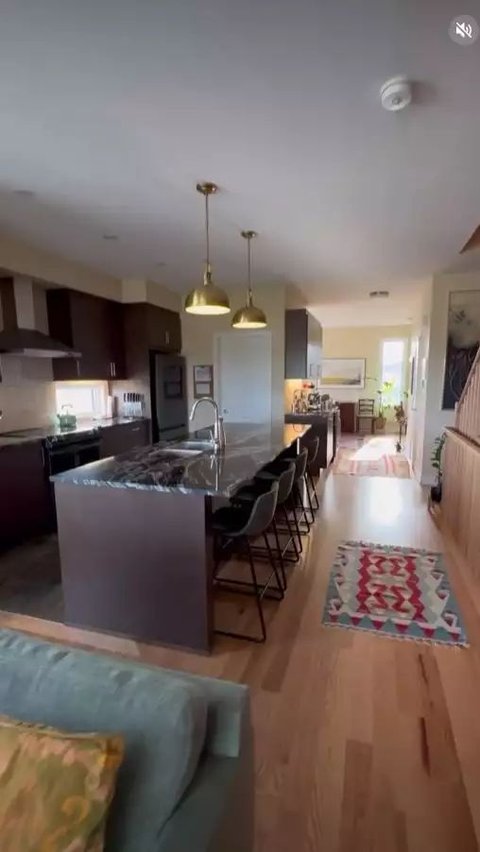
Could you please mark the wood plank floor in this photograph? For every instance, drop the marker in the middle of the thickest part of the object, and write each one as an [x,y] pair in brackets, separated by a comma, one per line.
[362,742]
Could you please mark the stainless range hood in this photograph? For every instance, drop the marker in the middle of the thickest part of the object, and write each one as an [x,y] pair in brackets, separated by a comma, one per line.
[19,335]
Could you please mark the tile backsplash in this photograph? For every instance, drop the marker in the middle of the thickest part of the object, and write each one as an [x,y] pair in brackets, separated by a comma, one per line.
[27,392]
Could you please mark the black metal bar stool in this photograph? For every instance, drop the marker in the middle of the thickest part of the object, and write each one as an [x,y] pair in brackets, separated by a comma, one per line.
[237,525]
[313,447]
[296,503]
[262,483]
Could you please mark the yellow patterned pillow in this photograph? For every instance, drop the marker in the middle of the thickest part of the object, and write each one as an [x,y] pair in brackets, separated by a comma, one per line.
[55,788]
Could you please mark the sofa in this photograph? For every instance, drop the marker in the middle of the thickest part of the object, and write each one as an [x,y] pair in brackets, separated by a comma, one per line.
[186,783]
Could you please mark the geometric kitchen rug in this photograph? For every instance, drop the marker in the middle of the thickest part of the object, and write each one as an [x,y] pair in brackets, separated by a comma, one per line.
[398,592]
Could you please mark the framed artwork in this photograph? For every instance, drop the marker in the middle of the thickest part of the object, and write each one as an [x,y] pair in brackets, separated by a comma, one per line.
[202,380]
[463,340]
[342,373]
[414,373]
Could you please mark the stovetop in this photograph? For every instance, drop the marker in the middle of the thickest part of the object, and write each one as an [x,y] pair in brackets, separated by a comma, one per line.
[54,435]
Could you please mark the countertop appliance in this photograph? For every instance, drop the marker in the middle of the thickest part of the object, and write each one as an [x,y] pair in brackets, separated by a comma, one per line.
[168,384]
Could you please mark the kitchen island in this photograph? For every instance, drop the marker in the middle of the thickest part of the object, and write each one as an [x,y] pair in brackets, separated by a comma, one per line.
[134,533]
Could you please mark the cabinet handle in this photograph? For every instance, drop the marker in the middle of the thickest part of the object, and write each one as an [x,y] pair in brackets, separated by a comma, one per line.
[114,369]
[136,429]
[77,362]
[167,337]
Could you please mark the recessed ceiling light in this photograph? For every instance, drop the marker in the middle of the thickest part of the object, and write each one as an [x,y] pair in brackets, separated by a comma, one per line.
[24,193]
[110,237]
[379,294]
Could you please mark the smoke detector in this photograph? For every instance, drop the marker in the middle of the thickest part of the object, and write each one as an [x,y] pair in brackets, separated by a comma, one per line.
[396,94]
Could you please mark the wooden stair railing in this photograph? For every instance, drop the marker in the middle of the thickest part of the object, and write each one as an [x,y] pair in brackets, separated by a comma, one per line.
[461,496]
[461,473]
[468,409]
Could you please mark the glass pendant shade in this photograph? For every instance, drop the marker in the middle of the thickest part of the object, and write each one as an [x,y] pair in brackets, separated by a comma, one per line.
[208,300]
[249,316]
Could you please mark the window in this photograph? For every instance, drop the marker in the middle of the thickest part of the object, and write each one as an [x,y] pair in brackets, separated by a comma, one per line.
[393,362]
[86,399]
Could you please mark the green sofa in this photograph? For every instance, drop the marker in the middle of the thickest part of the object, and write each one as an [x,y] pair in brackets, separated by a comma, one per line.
[186,784]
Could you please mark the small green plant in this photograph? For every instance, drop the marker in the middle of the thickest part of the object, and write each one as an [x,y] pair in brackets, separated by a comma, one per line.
[436,456]
[385,397]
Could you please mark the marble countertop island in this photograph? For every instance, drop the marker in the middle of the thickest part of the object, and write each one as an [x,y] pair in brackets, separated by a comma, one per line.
[249,446]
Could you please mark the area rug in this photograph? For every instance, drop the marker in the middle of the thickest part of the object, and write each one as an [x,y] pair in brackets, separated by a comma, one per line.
[393,591]
[375,457]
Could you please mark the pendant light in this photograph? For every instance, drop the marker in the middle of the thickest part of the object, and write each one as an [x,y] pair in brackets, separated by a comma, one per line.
[208,299]
[249,316]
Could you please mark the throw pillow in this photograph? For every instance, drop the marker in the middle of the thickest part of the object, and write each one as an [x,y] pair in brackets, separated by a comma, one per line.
[55,787]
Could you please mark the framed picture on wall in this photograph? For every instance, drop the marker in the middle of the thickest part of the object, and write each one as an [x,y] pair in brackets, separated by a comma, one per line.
[342,373]
[463,340]
[202,380]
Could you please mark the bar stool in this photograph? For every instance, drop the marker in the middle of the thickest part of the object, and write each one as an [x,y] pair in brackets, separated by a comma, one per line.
[313,447]
[299,485]
[238,525]
[259,485]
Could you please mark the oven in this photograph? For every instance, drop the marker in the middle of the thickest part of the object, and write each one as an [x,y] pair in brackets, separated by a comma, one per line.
[64,452]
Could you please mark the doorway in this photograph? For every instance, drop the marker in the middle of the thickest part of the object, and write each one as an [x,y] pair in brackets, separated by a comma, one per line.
[243,369]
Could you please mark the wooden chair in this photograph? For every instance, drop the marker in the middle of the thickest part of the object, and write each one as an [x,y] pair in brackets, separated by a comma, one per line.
[366,412]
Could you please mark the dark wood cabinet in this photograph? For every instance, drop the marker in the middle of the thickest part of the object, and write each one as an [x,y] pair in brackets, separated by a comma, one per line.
[303,345]
[92,326]
[148,328]
[124,437]
[347,416]
[25,506]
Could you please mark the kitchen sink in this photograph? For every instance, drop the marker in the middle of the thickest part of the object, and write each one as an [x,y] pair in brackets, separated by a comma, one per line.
[180,452]
[194,446]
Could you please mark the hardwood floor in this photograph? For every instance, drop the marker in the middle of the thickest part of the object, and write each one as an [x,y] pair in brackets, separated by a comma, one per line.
[362,742]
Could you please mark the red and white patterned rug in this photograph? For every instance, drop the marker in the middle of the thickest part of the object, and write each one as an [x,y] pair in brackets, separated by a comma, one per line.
[394,591]
[374,456]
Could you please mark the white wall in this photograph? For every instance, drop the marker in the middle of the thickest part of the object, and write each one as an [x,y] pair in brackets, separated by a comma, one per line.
[24,259]
[436,419]
[199,335]
[27,392]
[143,290]
[417,413]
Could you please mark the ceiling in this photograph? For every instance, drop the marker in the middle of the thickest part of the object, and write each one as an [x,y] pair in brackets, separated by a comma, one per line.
[112,110]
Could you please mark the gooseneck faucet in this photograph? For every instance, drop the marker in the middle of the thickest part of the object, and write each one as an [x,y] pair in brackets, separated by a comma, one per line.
[218,436]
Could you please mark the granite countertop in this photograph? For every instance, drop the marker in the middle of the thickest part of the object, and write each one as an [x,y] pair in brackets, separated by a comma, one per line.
[9,439]
[248,447]
[309,416]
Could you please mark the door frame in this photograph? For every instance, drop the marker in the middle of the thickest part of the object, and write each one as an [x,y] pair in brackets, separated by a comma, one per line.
[266,333]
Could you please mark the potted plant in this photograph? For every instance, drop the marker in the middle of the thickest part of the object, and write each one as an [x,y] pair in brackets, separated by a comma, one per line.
[401,418]
[383,404]
[436,462]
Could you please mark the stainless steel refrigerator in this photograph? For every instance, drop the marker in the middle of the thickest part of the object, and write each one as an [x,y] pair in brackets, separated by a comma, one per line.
[168,378]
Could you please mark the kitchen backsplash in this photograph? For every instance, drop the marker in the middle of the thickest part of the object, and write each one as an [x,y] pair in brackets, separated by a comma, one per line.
[27,392]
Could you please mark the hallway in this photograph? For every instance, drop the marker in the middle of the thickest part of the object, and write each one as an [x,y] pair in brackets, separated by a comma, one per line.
[362,742]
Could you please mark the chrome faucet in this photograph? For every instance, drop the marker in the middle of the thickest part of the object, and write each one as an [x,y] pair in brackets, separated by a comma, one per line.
[218,436]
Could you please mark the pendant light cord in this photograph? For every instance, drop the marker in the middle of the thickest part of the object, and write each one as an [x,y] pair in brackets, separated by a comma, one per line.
[207,232]
[249,268]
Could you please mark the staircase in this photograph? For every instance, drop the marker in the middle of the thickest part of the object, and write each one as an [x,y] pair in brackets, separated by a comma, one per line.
[461,473]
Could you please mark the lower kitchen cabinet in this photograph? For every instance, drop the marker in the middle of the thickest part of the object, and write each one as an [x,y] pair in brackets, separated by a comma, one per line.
[25,505]
[124,437]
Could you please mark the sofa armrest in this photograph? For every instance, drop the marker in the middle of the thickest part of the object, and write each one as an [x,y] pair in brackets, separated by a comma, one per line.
[228,713]
[217,812]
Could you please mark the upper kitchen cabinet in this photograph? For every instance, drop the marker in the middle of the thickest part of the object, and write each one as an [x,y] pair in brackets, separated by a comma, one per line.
[149,328]
[92,326]
[303,345]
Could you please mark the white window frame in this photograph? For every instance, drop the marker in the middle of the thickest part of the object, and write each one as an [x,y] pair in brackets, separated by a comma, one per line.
[403,385]
[99,393]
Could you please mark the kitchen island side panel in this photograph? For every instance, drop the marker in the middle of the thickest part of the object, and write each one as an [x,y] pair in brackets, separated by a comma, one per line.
[137,563]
